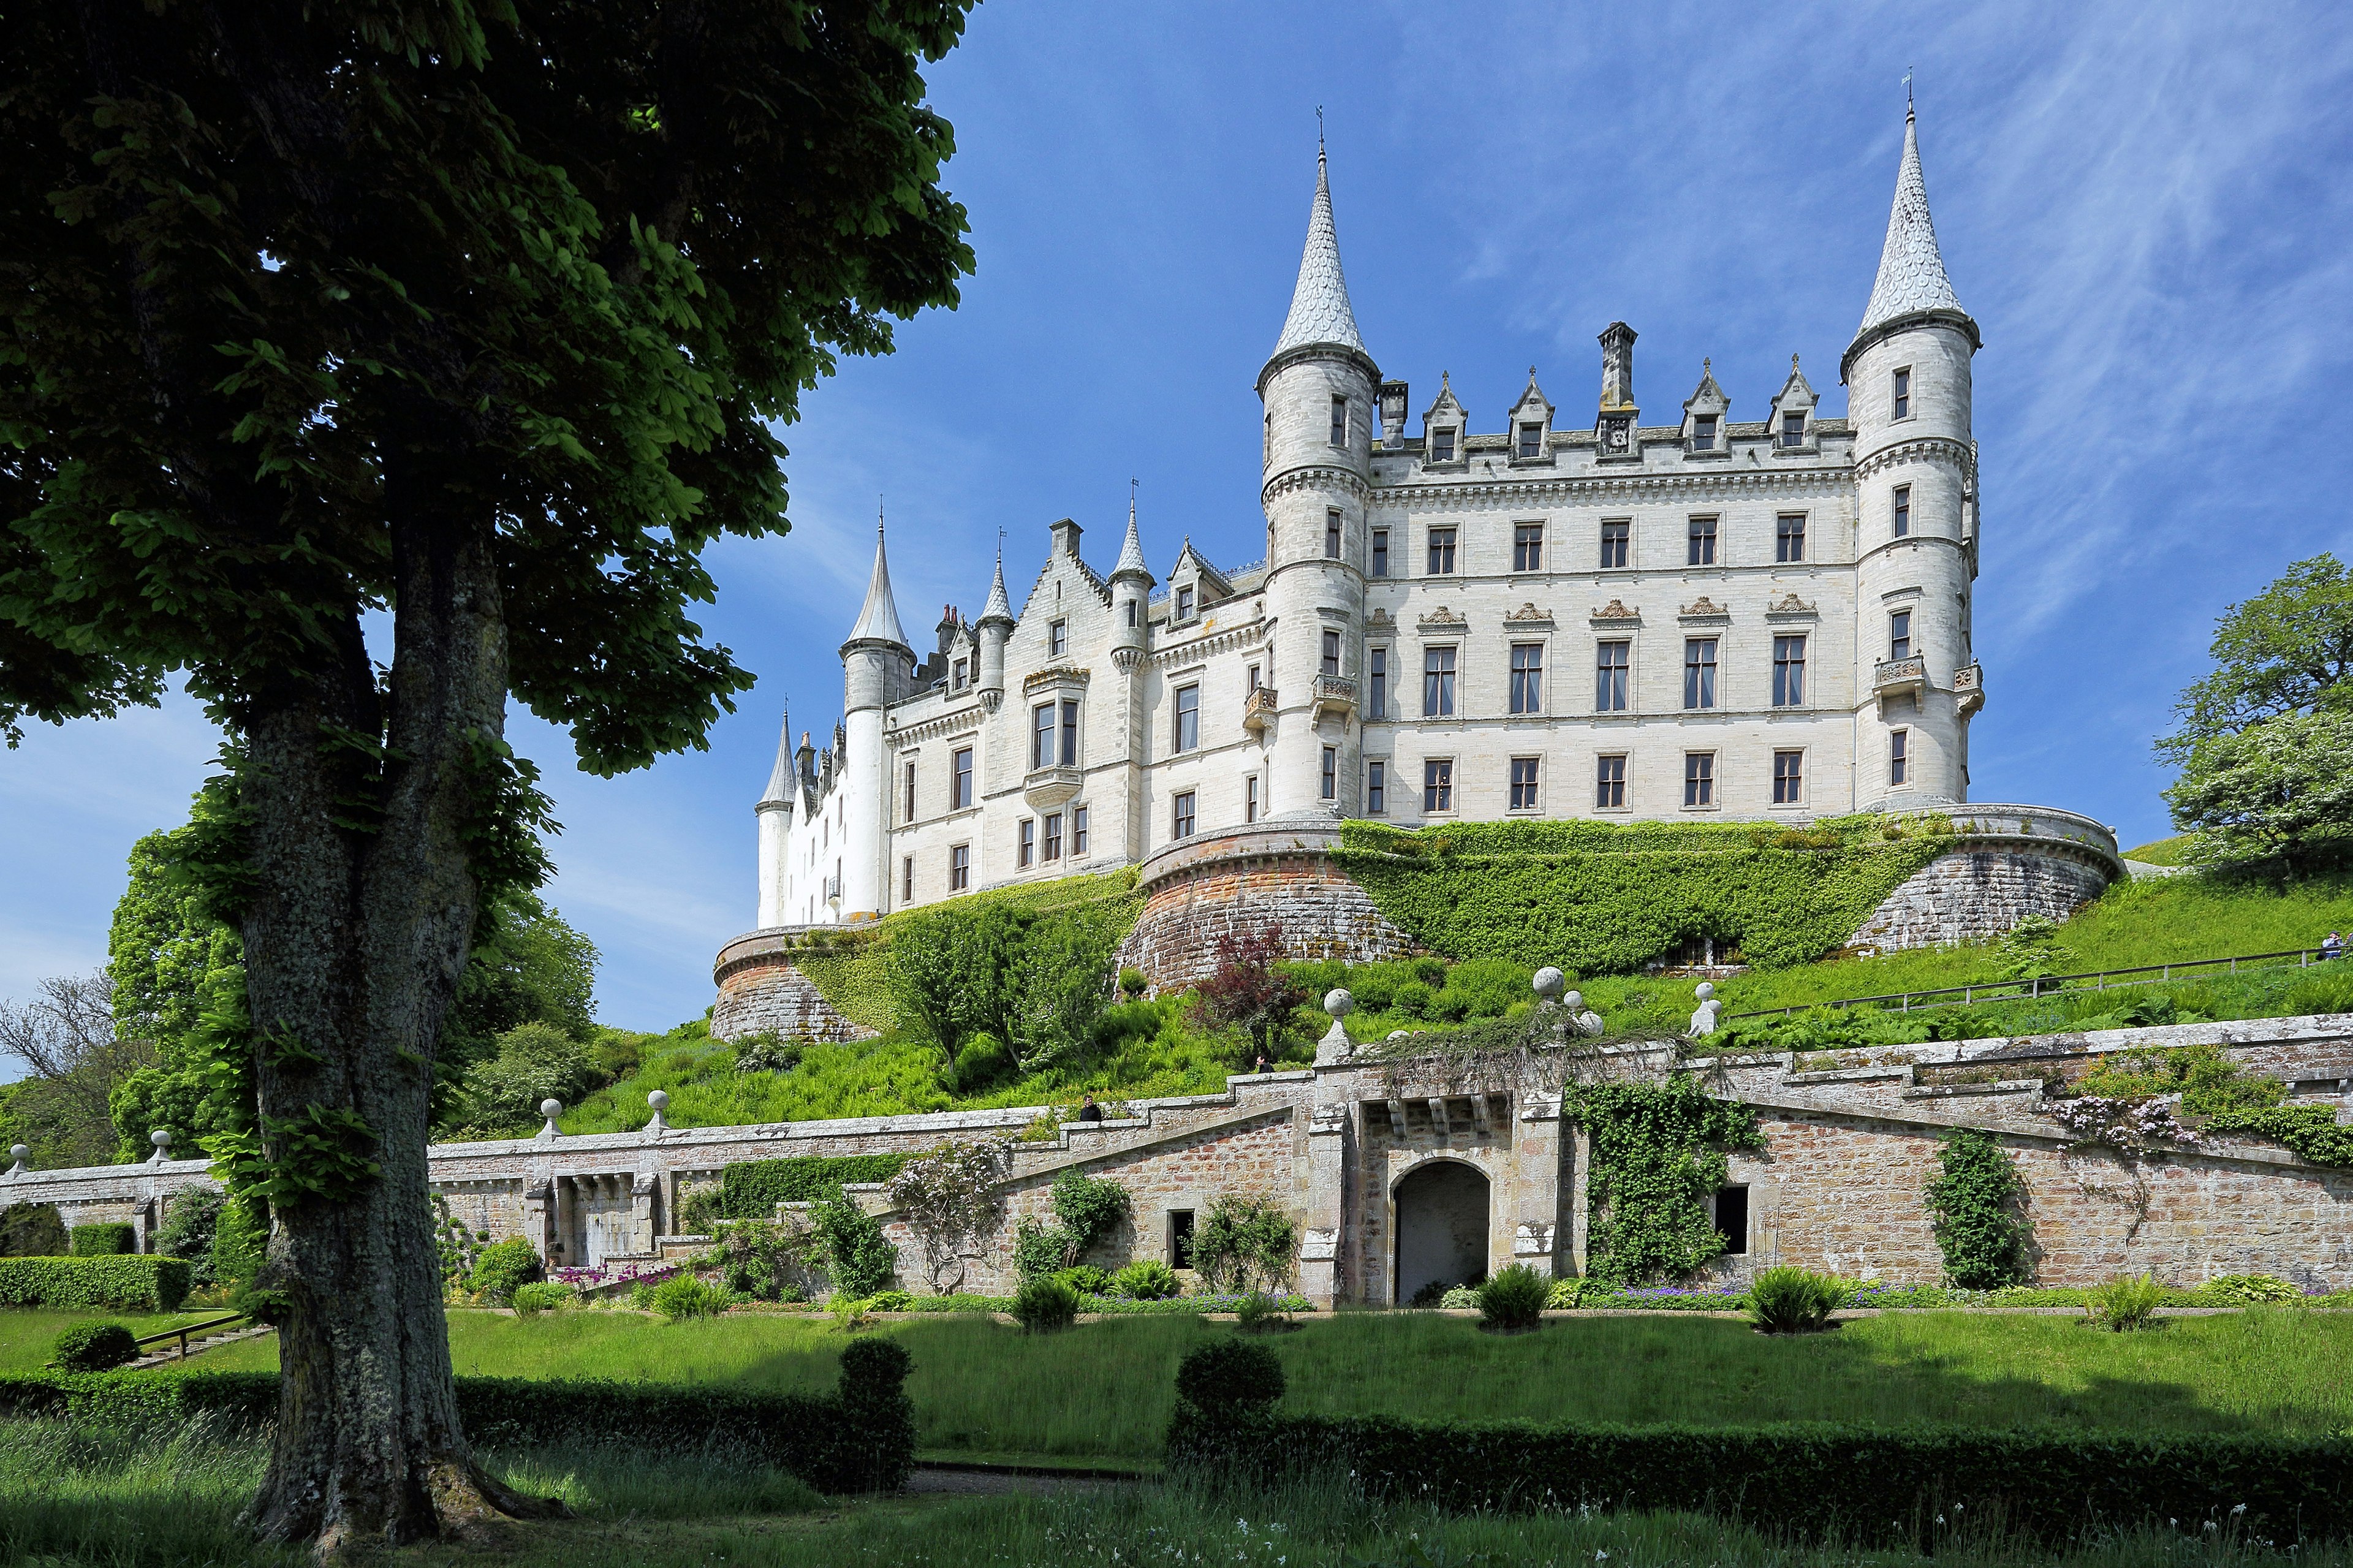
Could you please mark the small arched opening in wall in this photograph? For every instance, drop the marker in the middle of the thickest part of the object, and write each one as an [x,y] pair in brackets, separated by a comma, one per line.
[1441,1227]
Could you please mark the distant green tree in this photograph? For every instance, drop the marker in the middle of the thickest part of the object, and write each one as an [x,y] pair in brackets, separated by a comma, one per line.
[535,1062]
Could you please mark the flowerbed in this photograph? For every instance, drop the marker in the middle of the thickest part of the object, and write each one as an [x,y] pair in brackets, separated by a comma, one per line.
[598,1281]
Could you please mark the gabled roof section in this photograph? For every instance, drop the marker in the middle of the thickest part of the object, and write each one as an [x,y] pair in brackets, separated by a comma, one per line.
[879,620]
[1320,312]
[1533,400]
[1446,403]
[1707,395]
[1912,279]
[1202,569]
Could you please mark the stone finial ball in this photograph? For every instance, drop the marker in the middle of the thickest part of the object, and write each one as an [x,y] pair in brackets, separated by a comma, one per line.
[1548,983]
[659,1100]
[1338,1002]
[1573,1001]
[161,1138]
[548,1107]
[1706,990]
[20,1153]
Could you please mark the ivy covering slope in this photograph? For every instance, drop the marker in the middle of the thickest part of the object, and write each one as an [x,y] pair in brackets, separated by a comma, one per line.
[1607,898]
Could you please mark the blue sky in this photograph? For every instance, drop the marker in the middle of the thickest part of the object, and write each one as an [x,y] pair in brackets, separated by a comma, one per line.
[2145,208]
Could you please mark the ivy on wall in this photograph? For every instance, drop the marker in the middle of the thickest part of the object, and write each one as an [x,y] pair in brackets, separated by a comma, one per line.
[1974,1202]
[1605,897]
[1657,1153]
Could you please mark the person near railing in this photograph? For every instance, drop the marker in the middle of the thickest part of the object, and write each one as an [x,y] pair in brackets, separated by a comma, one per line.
[2331,946]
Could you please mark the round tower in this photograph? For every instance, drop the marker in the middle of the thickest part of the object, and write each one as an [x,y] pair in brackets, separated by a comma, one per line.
[995,624]
[775,812]
[878,668]
[1908,394]
[1320,389]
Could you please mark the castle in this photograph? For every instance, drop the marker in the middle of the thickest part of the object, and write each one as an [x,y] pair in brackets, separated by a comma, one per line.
[1762,620]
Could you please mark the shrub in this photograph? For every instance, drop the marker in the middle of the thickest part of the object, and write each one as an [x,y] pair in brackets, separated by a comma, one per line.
[501,1267]
[890,1301]
[1974,1203]
[1260,1313]
[1794,1300]
[2250,1288]
[1430,1295]
[122,1283]
[682,1296]
[751,1189]
[94,1347]
[108,1238]
[188,1229]
[951,1198]
[1086,1279]
[1088,1207]
[1243,1239]
[240,1242]
[535,1062]
[1133,983]
[1043,1305]
[1459,1298]
[768,1051]
[1146,1280]
[2126,1302]
[859,1259]
[1038,1249]
[540,1295]
[32,1230]
[1247,991]
[1566,1293]
[1228,1376]
[1512,1298]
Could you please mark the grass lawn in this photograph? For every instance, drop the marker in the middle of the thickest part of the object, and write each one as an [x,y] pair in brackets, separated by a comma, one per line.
[1106,1389]
[27,1334]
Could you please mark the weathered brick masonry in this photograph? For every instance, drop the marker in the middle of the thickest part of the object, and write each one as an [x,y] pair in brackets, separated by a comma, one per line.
[760,988]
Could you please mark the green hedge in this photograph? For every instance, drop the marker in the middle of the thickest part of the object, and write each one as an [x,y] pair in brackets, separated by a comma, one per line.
[1877,1487]
[122,1283]
[859,1437]
[752,1189]
[108,1238]
[1600,897]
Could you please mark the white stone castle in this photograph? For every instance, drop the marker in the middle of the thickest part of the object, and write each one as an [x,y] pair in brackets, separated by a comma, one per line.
[1764,620]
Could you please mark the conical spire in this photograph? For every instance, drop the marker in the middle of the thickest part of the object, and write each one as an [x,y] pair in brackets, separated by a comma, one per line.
[1911,270]
[999,608]
[1320,312]
[879,620]
[780,781]
[1131,551]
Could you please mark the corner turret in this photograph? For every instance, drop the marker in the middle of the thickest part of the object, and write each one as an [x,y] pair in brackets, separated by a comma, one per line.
[995,624]
[774,813]
[1131,592]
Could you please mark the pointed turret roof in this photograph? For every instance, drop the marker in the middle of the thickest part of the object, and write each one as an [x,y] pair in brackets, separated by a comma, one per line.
[879,620]
[1912,279]
[1320,312]
[1131,552]
[999,607]
[780,780]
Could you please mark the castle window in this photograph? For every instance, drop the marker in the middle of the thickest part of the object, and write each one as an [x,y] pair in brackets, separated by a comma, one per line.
[1028,850]
[1041,736]
[1793,428]
[1131,615]
[1609,670]
[1899,634]
[1180,1238]
[1053,836]
[1058,639]
[1441,551]
[1699,672]
[1380,552]
[910,792]
[1527,547]
[1699,779]
[1331,653]
[959,868]
[1069,732]
[1531,440]
[956,681]
[1180,817]
[907,880]
[1904,393]
[1188,718]
[1249,798]
[1899,756]
[1185,602]
[1331,536]
[1609,783]
[1732,1219]
[1377,685]
[1702,433]
[960,780]
[1789,671]
[1339,422]
[1527,678]
[1077,830]
[1902,511]
[1788,778]
[1250,680]
[1437,784]
[1701,543]
[1377,788]
[1437,683]
[1524,784]
[1330,789]
[1442,444]
[1790,536]
[1617,540]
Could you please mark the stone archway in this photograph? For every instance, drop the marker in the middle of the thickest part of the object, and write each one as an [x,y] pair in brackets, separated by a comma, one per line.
[1441,1227]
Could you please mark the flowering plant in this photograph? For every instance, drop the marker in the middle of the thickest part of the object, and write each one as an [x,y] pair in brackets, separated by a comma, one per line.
[591,1277]
[2135,1127]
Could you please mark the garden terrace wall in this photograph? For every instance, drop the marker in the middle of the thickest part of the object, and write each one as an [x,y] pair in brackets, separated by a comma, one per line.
[2013,862]
[760,988]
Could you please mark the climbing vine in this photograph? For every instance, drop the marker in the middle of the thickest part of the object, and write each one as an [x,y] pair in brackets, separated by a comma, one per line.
[1658,1154]
[1604,898]
[1974,1204]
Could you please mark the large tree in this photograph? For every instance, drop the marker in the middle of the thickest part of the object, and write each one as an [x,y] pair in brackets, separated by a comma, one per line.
[366,363]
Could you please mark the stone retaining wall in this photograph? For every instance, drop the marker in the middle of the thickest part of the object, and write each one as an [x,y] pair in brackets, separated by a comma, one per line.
[760,988]
[1977,893]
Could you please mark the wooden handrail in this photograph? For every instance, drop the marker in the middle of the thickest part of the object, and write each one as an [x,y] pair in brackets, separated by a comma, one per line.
[1976,991]
[182,1333]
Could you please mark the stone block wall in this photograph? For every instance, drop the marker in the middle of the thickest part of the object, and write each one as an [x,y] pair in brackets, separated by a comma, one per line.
[1977,893]
[1251,879]
[759,988]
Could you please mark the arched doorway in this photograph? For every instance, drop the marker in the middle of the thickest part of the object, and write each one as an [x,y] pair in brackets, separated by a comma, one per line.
[1441,1228]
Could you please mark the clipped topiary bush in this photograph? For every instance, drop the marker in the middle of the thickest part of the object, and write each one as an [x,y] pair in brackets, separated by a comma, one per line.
[1231,1375]
[502,1267]
[107,1238]
[32,1230]
[1513,1298]
[94,1347]
[1146,1280]
[120,1284]
[1045,1306]
[189,1225]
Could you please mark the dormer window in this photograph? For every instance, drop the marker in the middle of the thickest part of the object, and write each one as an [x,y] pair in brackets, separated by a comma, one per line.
[1185,602]
[1058,639]
[1339,422]
[1793,429]
[1531,439]
[1702,433]
[1904,393]
[959,672]
[1441,445]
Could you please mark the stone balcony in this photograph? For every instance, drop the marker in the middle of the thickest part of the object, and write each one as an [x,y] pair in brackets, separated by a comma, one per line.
[1969,687]
[1894,677]
[1046,788]
[1334,694]
[1257,713]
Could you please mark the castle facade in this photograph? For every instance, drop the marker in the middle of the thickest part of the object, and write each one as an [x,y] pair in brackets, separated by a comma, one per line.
[1571,616]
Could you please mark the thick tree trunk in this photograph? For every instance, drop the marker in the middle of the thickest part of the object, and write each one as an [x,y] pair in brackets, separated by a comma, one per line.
[353,949]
